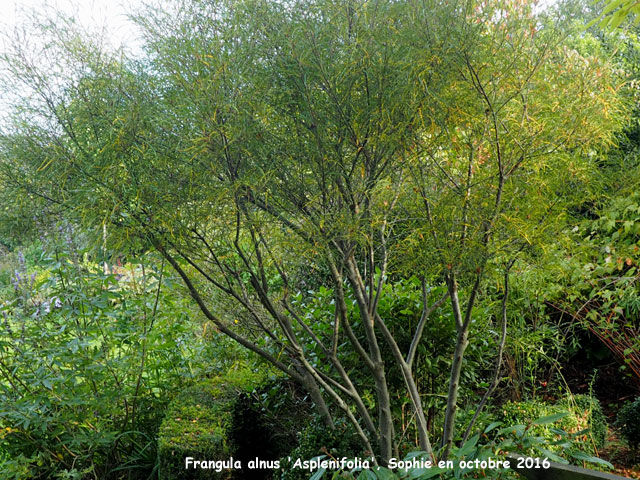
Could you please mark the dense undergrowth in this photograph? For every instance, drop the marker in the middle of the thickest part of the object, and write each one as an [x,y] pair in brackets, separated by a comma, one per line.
[103,367]
[91,356]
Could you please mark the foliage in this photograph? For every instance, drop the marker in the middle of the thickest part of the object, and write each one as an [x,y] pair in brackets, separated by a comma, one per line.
[485,418]
[372,141]
[584,419]
[600,286]
[197,424]
[589,407]
[628,421]
[494,442]
[87,362]
[531,357]
[401,301]
[344,189]
[617,11]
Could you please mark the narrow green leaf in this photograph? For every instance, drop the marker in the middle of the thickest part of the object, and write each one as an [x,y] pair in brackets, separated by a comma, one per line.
[469,445]
[424,473]
[318,474]
[382,473]
[368,475]
[550,418]
[591,459]
[612,6]
[491,426]
[553,456]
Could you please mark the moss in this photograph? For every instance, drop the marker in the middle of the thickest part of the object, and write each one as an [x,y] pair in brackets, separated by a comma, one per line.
[197,425]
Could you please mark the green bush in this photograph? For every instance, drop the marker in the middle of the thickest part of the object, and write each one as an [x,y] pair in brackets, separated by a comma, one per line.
[493,443]
[198,423]
[584,413]
[525,412]
[628,421]
[589,407]
[89,358]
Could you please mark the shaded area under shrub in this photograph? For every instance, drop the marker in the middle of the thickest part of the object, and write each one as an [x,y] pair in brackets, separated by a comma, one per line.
[197,425]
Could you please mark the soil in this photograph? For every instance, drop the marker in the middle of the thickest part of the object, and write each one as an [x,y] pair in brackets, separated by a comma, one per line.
[625,460]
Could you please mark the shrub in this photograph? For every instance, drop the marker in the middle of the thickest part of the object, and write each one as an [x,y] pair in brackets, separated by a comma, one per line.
[628,421]
[589,407]
[92,359]
[197,425]
[584,412]
[523,413]
[89,357]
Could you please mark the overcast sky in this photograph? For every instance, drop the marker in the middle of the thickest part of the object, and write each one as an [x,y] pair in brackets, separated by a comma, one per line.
[93,14]
[109,16]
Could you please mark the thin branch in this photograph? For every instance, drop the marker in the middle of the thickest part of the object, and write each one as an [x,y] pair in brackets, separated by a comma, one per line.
[496,375]
[426,312]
